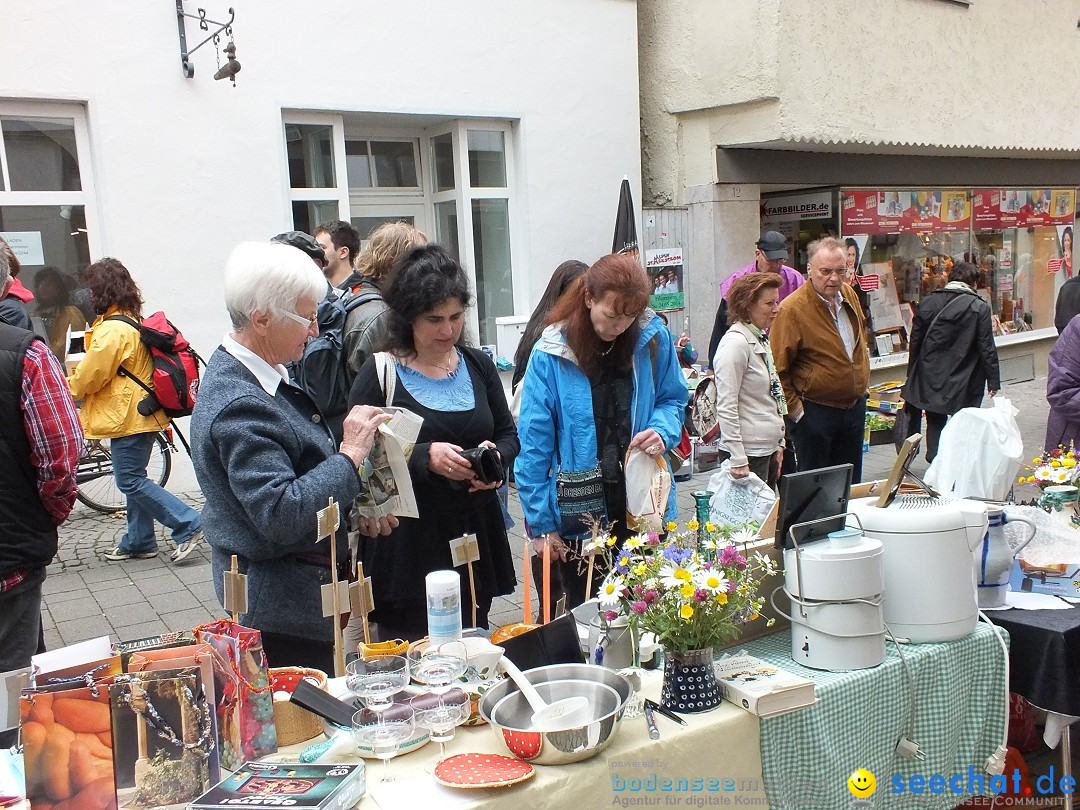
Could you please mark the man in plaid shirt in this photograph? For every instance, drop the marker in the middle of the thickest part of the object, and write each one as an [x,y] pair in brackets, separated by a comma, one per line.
[40,441]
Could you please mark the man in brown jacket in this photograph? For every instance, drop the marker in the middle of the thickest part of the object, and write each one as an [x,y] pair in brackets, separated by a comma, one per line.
[820,351]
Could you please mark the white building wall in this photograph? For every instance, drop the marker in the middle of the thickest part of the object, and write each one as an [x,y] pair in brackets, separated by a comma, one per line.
[186,168]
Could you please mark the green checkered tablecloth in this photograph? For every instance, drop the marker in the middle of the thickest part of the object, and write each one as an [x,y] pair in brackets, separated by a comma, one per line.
[807,756]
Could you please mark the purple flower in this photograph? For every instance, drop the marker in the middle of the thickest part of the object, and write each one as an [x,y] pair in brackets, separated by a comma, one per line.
[651,596]
[652,539]
[700,595]
[729,555]
[732,584]
[673,553]
[639,607]
[610,615]
[638,590]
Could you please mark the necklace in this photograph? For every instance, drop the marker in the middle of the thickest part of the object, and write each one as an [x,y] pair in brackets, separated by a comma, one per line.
[444,367]
[607,351]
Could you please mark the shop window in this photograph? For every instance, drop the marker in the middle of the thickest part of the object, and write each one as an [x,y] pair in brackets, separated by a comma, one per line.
[365,225]
[446,227]
[309,214]
[903,243]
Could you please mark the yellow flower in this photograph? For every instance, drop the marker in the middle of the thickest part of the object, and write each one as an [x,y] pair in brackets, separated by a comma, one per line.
[1037,460]
[612,540]
[687,591]
[755,615]
[692,525]
[640,569]
[1021,480]
[1031,479]
[1070,454]
[686,611]
[1055,463]
[710,526]
[721,599]
[671,525]
[1069,462]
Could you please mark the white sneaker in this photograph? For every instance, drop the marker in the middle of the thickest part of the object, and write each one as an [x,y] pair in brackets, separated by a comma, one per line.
[185,548]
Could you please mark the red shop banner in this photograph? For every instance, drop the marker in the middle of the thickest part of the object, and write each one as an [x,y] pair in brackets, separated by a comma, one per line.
[891,211]
[999,208]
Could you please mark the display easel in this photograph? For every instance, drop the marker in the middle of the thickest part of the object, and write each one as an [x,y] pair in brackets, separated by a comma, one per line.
[901,470]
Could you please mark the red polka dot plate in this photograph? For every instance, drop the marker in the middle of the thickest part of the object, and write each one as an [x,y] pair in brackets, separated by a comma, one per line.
[472,771]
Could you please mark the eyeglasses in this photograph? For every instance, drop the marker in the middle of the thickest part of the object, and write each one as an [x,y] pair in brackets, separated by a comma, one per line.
[300,319]
[832,271]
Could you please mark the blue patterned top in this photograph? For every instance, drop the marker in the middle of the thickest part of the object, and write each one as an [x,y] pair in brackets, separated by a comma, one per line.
[444,394]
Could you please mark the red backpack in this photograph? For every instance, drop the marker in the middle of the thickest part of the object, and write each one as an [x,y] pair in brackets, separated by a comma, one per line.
[176,366]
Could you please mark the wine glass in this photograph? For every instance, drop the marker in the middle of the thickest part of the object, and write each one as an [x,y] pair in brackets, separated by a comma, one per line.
[384,732]
[378,680]
[438,666]
[442,718]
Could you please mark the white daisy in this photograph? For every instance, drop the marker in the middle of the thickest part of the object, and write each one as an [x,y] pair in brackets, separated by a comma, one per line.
[743,536]
[675,576]
[611,590]
[712,581]
[635,542]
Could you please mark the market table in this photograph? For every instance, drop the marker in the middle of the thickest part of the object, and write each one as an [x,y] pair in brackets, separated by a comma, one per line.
[799,760]
[1044,659]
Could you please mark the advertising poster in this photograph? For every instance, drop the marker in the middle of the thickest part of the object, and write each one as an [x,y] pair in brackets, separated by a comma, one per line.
[1000,208]
[1063,264]
[892,211]
[884,302]
[817,205]
[665,269]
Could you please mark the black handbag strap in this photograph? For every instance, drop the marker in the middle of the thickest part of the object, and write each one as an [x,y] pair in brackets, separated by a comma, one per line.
[959,297]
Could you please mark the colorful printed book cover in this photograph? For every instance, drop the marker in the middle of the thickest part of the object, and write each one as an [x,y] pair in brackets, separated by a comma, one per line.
[300,787]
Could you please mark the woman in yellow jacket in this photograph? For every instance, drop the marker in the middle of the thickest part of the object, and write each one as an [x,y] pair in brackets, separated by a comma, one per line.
[110,411]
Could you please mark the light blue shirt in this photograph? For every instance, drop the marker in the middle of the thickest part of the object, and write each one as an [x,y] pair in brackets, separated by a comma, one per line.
[453,393]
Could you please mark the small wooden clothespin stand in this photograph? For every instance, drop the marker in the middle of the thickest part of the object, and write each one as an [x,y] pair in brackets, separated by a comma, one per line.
[362,599]
[465,550]
[235,591]
[335,599]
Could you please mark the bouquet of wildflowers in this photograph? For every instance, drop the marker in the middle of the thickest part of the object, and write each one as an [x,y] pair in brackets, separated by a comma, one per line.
[692,590]
[1053,467]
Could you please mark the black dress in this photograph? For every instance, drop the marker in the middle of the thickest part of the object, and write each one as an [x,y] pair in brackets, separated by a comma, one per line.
[397,564]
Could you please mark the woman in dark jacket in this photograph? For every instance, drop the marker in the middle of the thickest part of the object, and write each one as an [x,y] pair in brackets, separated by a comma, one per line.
[1063,389]
[456,389]
[952,356]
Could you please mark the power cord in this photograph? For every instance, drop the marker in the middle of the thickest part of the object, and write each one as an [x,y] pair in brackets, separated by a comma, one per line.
[996,763]
[906,746]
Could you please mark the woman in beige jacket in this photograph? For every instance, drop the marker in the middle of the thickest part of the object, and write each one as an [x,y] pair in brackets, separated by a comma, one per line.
[750,403]
[110,410]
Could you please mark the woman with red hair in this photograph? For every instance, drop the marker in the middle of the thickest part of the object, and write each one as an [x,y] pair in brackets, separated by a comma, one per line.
[602,379]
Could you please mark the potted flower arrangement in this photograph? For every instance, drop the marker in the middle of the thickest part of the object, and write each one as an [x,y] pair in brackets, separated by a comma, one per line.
[1057,474]
[693,590]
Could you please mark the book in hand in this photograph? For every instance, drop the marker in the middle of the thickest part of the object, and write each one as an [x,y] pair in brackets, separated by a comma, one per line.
[300,787]
[762,688]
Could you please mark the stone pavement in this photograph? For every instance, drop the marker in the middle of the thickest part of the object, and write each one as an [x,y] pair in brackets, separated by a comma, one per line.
[87,596]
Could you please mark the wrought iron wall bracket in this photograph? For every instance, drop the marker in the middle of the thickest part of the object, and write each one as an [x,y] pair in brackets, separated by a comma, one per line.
[204,23]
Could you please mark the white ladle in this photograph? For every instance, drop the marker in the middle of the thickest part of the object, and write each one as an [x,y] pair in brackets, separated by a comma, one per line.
[557,716]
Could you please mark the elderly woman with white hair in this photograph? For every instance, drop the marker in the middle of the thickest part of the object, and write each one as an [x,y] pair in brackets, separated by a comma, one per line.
[266,460]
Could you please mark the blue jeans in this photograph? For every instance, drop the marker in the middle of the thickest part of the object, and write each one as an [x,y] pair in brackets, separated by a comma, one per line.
[146,501]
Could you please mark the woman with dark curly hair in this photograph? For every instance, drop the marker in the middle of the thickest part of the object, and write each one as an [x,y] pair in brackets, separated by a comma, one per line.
[110,410]
[456,389]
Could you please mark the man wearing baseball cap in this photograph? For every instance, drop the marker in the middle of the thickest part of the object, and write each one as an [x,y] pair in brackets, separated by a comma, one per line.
[769,255]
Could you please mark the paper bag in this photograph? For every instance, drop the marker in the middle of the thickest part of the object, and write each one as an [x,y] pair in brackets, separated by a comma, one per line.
[192,655]
[243,701]
[163,733]
[68,747]
[648,484]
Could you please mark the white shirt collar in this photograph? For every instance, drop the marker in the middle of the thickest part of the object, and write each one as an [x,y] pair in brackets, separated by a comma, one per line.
[268,376]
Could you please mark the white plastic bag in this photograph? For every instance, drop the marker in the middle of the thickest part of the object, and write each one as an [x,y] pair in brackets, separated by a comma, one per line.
[648,484]
[737,501]
[979,453]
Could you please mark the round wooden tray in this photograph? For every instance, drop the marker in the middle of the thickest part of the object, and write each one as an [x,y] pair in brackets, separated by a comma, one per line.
[472,771]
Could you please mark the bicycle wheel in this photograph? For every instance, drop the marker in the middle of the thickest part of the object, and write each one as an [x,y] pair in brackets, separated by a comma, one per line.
[97,484]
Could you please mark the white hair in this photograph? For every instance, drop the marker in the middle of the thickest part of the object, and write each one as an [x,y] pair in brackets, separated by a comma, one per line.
[5,268]
[269,277]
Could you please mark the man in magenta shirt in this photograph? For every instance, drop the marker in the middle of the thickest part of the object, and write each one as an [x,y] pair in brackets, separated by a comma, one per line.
[769,255]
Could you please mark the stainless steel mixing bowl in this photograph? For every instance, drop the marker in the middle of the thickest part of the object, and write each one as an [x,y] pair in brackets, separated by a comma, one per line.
[510,716]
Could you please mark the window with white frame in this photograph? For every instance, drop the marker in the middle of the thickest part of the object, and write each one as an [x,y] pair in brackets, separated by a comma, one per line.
[453,181]
[46,206]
